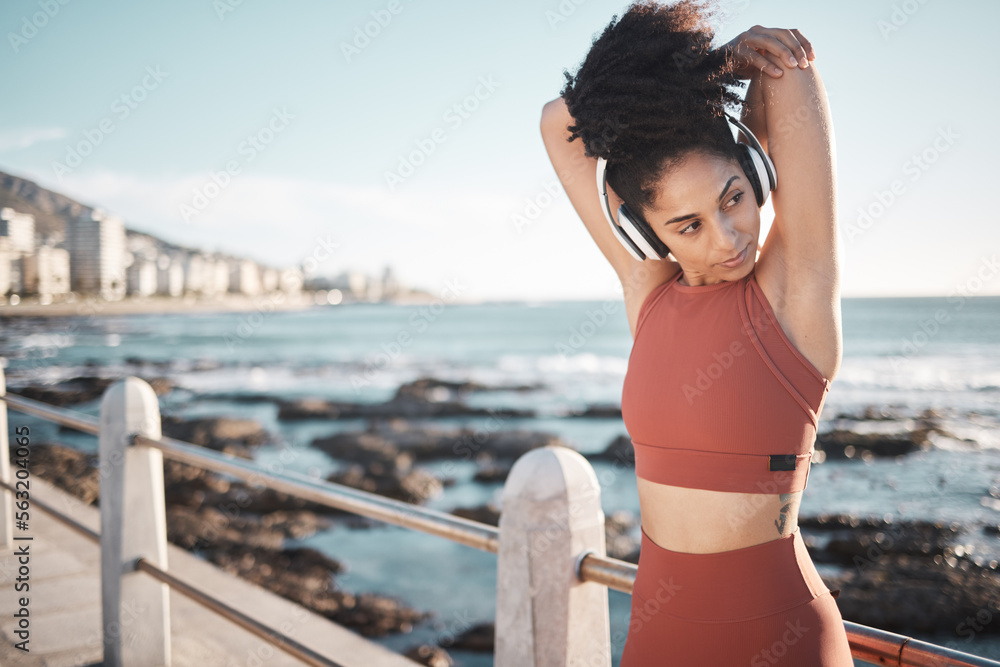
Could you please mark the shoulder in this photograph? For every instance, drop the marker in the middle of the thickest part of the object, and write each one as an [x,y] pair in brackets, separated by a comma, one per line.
[640,285]
[808,313]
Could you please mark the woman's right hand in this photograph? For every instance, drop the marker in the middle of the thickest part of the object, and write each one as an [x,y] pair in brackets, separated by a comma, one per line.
[764,49]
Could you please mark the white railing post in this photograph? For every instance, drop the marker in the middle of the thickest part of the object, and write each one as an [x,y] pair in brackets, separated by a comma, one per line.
[135,607]
[551,514]
[6,497]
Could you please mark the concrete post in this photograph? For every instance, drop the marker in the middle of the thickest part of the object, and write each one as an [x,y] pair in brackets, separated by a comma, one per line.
[551,514]
[6,497]
[135,607]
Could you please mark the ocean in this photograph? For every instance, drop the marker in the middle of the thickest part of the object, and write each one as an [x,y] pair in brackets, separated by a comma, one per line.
[902,357]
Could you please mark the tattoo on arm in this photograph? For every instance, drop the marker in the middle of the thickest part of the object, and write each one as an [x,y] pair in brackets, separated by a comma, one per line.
[782,518]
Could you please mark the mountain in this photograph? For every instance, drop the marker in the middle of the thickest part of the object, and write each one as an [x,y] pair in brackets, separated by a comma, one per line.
[54,211]
[51,209]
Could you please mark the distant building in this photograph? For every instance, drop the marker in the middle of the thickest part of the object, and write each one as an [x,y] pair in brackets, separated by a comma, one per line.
[6,269]
[290,281]
[390,284]
[354,283]
[169,276]
[97,255]
[142,277]
[269,279]
[195,272]
[46,271]
[19,228]
[244,277]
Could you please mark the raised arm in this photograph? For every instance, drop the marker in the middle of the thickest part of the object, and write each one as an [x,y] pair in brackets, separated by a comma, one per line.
[578,175]
[798,267]
[801,145]
[788,112]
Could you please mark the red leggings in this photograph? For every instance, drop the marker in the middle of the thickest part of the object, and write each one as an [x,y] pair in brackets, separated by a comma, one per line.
[759,606]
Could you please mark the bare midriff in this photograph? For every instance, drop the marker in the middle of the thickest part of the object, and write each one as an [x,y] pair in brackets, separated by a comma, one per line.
[702,521]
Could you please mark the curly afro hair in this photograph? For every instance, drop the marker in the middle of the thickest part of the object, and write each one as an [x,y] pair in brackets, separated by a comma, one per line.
[650,91]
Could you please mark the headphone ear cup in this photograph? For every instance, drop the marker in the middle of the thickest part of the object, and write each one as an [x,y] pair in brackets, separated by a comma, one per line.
[640,232]
[750,169]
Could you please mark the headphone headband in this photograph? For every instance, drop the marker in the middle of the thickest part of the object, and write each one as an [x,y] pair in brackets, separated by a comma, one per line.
[639,240]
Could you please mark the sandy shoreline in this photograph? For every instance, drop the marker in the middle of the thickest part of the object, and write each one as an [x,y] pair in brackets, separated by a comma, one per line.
[85,308]
[231,303]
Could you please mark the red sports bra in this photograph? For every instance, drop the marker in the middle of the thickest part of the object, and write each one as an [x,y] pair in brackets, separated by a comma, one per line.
[716,396]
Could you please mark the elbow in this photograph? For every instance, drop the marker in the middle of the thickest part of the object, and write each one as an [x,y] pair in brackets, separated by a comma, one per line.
[555,115]
[793,78]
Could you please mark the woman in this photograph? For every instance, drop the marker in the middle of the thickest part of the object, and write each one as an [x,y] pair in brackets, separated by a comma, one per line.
[726,381]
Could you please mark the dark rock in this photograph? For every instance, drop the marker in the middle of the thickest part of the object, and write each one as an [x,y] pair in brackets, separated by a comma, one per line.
[841,445]
[384,441]
[603,411]
[616,527]
[305,576]
[161,385]
[491,471]
[853,539]
[296,524]
[207,527]
[411,485]
[618,544]
[873,413]
[620,449]
[914,594]
[432,656]
[218,433]
[83,389]
[423,398]
[70,469]
[477,638]
[903,576]
[364,448]
[433,389]
[489,513]
[69,392]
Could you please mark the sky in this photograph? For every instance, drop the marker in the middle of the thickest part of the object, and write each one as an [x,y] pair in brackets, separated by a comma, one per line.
[393,132]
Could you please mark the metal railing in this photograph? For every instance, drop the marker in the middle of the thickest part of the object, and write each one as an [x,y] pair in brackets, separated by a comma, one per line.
[528,512]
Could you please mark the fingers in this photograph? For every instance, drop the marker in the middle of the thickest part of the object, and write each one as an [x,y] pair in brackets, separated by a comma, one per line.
[805,43]
[765,63]
[749,61]
[782,43]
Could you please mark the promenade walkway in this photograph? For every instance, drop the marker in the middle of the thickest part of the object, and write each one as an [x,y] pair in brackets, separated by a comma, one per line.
[65,606]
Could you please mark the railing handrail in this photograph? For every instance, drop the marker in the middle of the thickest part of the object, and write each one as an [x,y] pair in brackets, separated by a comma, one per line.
[262,630]
[867,643]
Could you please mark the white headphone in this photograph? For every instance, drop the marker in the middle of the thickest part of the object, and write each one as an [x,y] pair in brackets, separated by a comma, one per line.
[637,236]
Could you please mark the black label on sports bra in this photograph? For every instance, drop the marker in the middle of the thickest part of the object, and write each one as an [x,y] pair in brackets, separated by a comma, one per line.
[781,462]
